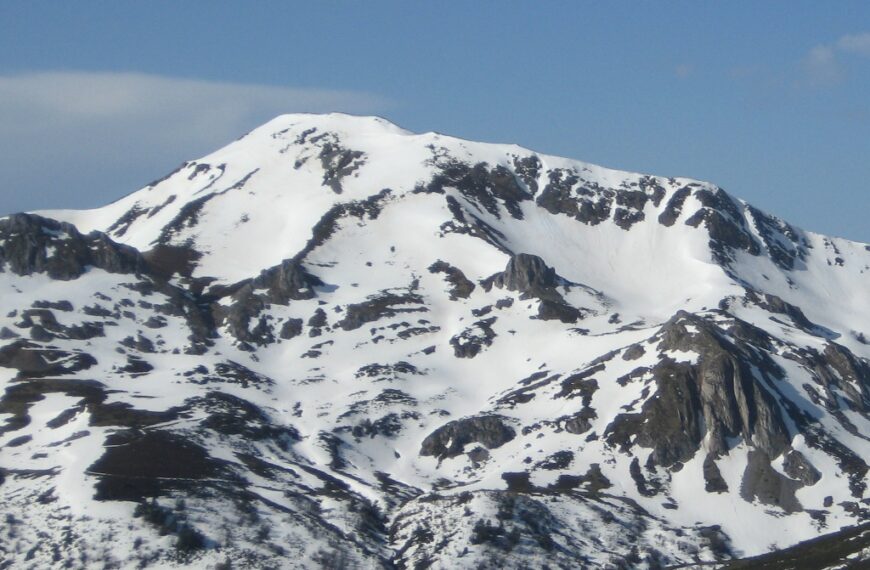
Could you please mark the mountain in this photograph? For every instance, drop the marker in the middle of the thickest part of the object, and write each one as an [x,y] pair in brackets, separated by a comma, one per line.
[335,343]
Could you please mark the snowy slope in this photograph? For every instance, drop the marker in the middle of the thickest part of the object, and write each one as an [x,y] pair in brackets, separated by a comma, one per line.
[337,343]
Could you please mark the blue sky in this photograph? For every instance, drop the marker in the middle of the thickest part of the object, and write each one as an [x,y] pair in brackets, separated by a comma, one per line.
[769,100]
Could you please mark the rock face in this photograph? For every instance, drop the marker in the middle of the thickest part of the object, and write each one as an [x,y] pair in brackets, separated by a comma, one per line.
[279,285]
[336,344]
[286,282]
[33,244]
[533,278]
[450,439]
[727,394]
[527,274]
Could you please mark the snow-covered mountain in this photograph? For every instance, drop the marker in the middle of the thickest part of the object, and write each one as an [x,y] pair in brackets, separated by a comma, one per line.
[335,343]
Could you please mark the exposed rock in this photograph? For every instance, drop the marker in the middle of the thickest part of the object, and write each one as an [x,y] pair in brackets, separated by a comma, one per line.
[713,480]
[387,371]
[581,422]
[798,467]
[528,169]
[472,340]
[44,327]
[385,426]
[34,361]
[291,329]
[644,487]
[19,397]
[136,465]
[725,224]
[288,281]
[718,398]
[487,187]
[64,305]
[674,207]
[633,352]
[33,244]
[461,288]
[141,343]
[785,245]
[581,384]
[776,305]
[559,311]
[631,204]
[230,415]
[527,274]
[467,222]
[589,203]
[450,440]
[763,483]
[557,461]
[318,319]
[327,225]
[167,260]
[378,307]
[231,372]
[338,162]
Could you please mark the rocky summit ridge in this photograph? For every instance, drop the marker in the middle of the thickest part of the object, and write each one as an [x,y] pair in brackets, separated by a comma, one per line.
[336,343]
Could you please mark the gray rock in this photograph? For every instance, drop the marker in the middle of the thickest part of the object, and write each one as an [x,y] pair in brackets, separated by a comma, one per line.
[291,328]
[287,281]
[713,480]
[726,394]
[633,352]
[380,306]
[471,341]
[33,244]
[450,439]
[797,466]
[461,288]
[763,483]
[528,274]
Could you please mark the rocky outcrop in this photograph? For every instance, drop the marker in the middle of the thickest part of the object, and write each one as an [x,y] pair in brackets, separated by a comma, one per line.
[450,440]
[34,361]
[32,244]
[728,393]
[491,188]
[471,341]
[337,161]
[286,282]
[461,286]
[380,306]
[728,223]
[531,276]
[566,193]
[763,483]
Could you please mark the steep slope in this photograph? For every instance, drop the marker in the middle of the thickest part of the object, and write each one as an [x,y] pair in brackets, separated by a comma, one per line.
[337,343]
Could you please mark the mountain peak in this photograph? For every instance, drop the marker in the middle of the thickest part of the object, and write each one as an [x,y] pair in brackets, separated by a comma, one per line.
[358,125]
[335,343]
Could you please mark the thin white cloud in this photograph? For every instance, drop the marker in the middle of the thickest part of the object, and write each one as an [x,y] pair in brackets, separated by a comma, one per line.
[858,44]
[822,64]
[156,103]
[683,70]
[102,134]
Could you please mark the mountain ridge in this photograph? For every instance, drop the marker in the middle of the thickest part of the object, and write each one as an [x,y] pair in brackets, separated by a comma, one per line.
[396,350]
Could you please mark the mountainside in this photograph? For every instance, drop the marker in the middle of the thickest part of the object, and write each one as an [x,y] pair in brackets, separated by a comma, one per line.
[335,343]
